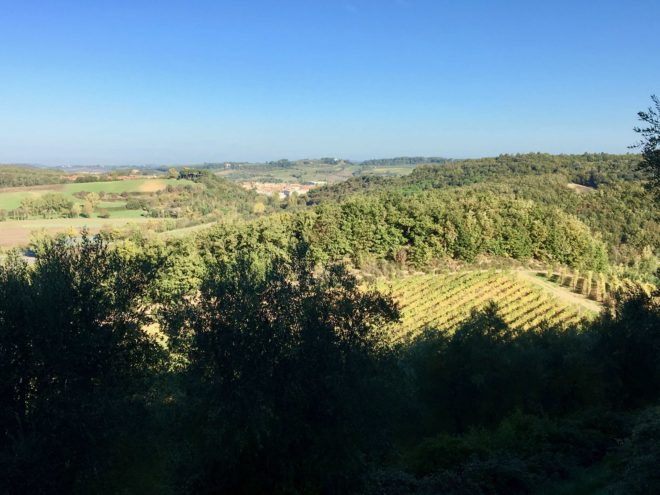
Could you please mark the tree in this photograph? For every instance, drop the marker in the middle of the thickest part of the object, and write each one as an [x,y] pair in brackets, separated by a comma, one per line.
[92,198]
[75,211]
[75,363]
[87,210]
[258,208]
[292,200]
[172,173]
[282,385]
[650,142]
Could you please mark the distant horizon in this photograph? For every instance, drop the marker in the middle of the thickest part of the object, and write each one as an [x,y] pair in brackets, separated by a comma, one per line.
[256,162]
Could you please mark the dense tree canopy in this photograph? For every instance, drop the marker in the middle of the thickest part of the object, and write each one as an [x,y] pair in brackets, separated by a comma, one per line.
[604,191]
[283,376]
[75,363]
[423,227]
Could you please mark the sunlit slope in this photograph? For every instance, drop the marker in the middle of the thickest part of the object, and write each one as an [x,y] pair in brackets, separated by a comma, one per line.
[446,300]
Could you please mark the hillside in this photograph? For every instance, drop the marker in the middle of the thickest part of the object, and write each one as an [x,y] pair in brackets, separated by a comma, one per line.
[447,300]
[321,171]
[120,207]
[617,206]
[588,169]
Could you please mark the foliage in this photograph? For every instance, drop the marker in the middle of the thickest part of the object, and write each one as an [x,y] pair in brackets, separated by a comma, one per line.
[402,160]
[612,203]
[629,343]
[508,412]
[74,363]
[431,225]
[591,170]
[273,374]
[24,175]
[282,381]
[641,455]
[46,206]
[650,141]
[447,300]
[248,359]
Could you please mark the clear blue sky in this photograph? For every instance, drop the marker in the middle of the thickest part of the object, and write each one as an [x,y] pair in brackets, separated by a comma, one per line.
[133,82]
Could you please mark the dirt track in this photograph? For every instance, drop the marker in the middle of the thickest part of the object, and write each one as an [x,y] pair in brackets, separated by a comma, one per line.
[561,293]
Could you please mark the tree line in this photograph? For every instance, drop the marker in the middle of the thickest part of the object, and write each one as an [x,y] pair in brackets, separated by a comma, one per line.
[24,175]
[421,229]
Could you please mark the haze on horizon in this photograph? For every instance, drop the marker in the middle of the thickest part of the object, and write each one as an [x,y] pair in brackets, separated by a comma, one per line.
[145,82]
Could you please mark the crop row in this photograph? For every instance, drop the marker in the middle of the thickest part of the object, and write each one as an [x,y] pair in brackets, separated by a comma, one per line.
[446,301]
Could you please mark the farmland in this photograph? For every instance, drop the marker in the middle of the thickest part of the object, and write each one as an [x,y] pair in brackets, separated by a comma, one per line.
[11,198]
[146,204]
[15,233]
[446,300]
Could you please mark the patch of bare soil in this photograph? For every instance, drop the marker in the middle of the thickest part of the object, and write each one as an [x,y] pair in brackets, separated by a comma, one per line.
[44,187]
[580,189]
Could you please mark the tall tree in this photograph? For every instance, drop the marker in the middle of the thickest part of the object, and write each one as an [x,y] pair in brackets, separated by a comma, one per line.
[282,380]
[650,142]
[75,363]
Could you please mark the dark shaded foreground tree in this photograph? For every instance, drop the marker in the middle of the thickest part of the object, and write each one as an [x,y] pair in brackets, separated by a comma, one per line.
[75,365]
[285,381]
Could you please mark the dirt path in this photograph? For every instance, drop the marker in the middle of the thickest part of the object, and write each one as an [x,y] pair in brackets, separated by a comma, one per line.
[560,292]
[42,187]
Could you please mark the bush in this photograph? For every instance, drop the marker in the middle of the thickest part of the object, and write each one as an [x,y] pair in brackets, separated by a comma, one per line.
[136,204]
[641,475]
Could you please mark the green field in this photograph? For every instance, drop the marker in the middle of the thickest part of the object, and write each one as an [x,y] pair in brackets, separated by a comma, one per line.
[19,232]
[11,198]
[446,300]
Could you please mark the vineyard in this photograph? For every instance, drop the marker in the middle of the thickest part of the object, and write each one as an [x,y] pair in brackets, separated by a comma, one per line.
[446,300]
[597,286]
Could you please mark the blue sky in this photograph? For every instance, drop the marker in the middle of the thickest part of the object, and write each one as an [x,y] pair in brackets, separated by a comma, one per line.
[135,82]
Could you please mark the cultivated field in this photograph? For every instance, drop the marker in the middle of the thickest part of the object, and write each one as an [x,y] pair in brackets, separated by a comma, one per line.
[11,197]
[446,300]
[14,233]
